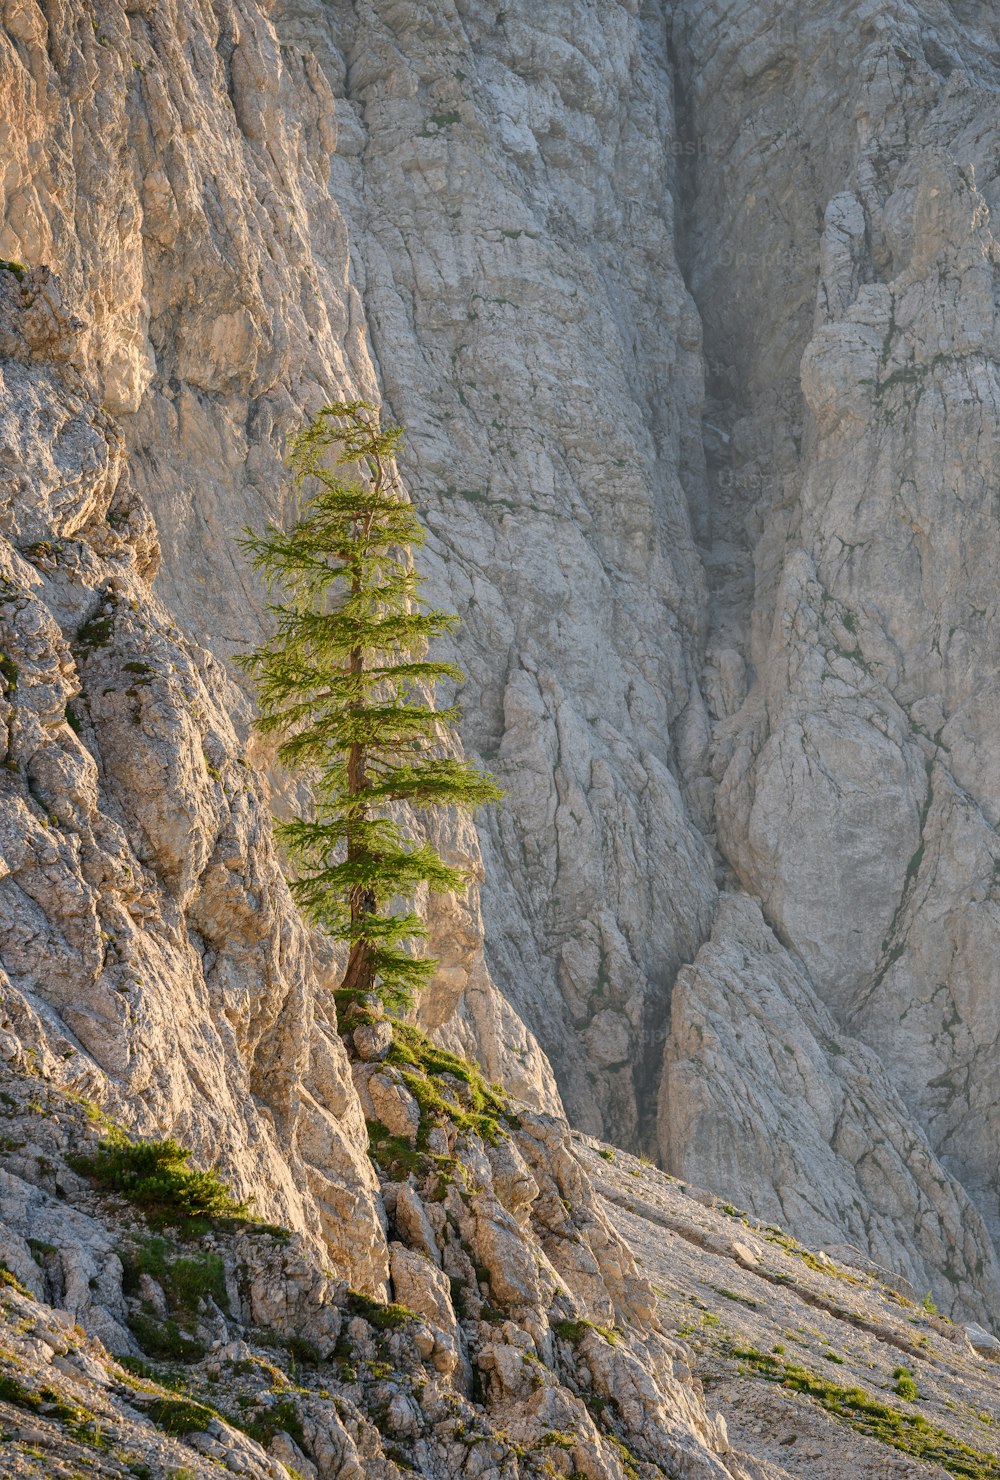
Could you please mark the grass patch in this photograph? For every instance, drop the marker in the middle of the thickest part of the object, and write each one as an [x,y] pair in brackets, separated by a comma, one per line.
[905,1386]
[164,1340]
[281,1417]
[382,1317]
[908,1432]
[445,1086]
[180,1416]
[185,1280]
[575,1331]
[95,633]
[831,1270]
[46,1401]
[10,1279]
[155,1176]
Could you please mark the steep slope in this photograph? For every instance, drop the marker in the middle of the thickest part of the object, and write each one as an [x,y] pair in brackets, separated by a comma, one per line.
[473,213]
[853,550]
[496,1358]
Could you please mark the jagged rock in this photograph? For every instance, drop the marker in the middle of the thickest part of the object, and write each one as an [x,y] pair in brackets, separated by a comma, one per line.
[372,1041]
[982,1341]
[419,1285]
[385,1098]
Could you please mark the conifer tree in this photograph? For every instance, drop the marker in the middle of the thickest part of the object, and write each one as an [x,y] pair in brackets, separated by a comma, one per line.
[346,685]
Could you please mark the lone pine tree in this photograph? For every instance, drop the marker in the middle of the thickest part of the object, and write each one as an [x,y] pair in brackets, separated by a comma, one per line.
[347,687]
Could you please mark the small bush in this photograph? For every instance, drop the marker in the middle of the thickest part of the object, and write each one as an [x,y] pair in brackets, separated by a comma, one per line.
[155,1176]
[905,1386]
[382,1317]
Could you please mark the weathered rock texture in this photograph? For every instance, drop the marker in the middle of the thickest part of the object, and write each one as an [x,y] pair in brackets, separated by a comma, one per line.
[769,670]
[849,304]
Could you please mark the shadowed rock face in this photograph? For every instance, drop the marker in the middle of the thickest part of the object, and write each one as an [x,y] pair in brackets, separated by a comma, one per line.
[692,326]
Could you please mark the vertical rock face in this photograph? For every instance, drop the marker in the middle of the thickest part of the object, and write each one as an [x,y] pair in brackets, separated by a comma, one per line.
[507,182]
[773,668]
[150,950]
[855,781]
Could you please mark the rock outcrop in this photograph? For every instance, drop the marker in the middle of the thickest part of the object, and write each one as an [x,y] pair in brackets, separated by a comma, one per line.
[691,319]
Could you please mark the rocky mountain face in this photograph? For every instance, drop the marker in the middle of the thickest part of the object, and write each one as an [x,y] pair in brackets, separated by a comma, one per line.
[690,313]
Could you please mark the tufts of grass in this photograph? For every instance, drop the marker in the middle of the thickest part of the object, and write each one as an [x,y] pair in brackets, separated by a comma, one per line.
[282,1416]
[10,1279]
[908,1432]
[185,1280]
[180,1416]
[575,1331]
[905,1386]
[382,1317]
[164,1340]
[46,1400]
[95,633]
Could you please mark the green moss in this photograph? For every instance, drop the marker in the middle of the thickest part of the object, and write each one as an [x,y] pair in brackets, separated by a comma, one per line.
[155,1176]
[19,270]
[8,672]
[607,1153]
[908,1432]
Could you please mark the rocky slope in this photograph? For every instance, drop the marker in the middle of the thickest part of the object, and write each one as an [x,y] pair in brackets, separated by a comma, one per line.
[731,657]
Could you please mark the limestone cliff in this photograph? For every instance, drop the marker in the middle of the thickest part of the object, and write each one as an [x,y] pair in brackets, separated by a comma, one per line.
[690,313]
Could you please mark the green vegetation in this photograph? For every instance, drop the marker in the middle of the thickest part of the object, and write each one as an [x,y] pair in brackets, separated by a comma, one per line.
[575,1331]
[9,1278]
[280,1416]
[164,1340]
[185,1280]
[45,1400]
[905,1386]
[17,268]
[820,1266]
[155,1176]
[345,686]
[908,1432]
[382,1317]
[448,1088]
[180,1416]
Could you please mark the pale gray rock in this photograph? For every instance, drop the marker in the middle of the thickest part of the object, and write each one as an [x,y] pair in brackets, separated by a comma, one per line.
[759,641]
